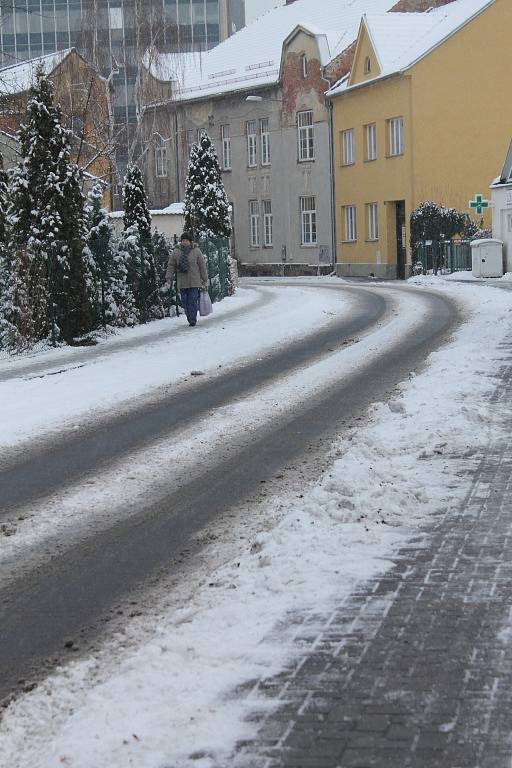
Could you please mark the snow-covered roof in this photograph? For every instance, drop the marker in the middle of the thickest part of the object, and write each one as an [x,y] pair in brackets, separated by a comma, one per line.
[19,77]
[174,209]
[251,58]
[401,39]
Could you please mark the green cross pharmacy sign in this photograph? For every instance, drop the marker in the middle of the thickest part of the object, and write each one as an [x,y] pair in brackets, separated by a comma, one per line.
[479,204]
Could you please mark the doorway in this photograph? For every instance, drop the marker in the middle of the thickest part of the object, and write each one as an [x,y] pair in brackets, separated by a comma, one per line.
[401,239]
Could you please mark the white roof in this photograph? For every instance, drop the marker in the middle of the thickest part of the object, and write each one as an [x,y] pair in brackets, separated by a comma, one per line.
[174,209]
[20,77]
[401,39]
[251,58]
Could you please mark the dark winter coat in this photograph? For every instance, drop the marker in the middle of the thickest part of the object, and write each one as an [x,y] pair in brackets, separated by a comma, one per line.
[195,277]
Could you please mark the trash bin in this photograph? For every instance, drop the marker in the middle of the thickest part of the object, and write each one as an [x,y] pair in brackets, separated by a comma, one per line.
[487,258]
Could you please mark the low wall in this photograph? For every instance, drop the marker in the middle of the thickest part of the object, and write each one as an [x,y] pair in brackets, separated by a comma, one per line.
[283,270]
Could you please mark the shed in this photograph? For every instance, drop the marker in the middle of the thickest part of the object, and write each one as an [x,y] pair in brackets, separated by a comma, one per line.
[501,192]
[168,220]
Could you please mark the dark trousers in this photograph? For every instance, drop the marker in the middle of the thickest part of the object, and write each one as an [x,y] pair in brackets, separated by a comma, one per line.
[190,303]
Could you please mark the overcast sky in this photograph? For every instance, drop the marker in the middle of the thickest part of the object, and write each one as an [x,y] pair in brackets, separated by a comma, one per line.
[254,8]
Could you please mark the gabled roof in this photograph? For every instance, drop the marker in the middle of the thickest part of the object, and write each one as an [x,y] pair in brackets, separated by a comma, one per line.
[402,39]
[18,78]
[505,178]
[251,58]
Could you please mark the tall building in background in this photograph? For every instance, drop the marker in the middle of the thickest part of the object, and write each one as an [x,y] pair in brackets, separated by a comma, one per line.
[114,35]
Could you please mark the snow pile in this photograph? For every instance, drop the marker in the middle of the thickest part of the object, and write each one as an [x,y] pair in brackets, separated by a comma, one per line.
[171,701]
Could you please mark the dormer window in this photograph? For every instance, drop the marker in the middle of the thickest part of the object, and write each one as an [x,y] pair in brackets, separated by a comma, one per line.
[304,65]
[367,65]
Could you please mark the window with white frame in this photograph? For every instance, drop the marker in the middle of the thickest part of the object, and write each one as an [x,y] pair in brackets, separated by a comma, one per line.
[347,147]
[190,140]
[267,223]
[226,147]
[251,143]
[304,65]
[370,131]
[115,17]
[265,141]
[254,224]
[367,65]
[349,220]
[305,135]
[308,220]
[161,156]
[372,218]
[396,136]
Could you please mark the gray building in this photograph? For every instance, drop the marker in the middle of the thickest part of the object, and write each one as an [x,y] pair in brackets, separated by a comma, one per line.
[114,36]
[261,97]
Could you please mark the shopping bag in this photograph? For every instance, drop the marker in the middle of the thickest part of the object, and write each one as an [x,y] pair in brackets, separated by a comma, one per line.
[205,304]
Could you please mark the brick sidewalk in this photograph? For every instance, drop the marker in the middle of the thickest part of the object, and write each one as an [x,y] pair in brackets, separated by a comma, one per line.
[415,670]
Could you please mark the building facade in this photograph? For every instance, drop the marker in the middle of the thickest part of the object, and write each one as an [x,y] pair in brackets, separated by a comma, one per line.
[269,141]
[261,97]
[114,36]
[410,126]
[83,97]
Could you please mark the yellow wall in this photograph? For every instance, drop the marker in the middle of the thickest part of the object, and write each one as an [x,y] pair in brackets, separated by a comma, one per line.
[457,127]
[383,180]
[364,49]
[463,129]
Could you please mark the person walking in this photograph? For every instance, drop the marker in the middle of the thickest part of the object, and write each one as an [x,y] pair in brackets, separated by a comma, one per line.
[188,264]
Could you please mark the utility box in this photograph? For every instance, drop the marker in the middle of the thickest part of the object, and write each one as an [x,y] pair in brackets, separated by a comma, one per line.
[487,258]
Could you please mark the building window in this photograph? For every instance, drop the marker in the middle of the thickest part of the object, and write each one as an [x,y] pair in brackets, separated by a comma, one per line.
[267,223]
[265,141]
[115,17]
[396,136]
[251,143]
[254,224]
[305,135]
[308,220]
[190,140]
[77,125]
[226,147]
[347,147]
[372,218]
[161,157]
[304,66]
[370,131]
[349,220]
[367,65]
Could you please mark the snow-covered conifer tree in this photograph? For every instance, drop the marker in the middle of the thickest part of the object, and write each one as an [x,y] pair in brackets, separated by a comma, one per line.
[4,261]
[52,281]
[206,202]
[162,247]
[136,211]
[116,302]
[137,244]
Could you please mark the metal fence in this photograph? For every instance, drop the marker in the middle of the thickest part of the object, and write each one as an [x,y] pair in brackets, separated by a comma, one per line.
[442,256]
[217,253]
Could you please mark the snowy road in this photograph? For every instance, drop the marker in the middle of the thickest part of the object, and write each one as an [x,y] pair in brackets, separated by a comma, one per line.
[98,511]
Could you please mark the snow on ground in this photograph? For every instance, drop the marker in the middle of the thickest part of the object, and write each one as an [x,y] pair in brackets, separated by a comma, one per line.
[125,485]
[464,276]
[168,699]
[92,385]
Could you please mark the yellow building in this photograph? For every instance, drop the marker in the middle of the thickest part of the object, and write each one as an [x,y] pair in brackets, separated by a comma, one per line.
[423,115]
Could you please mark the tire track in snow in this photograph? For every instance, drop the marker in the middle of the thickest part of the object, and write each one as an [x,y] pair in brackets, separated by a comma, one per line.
[59,463]
[71,594]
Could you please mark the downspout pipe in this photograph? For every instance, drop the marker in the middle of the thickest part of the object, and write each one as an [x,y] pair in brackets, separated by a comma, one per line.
[178,146]
[333,186]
